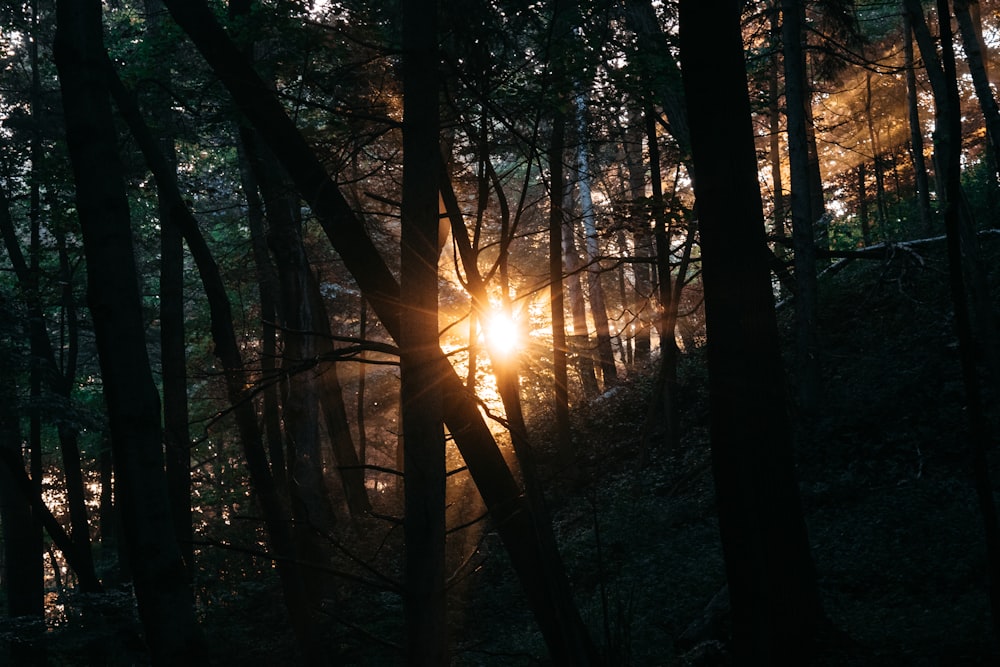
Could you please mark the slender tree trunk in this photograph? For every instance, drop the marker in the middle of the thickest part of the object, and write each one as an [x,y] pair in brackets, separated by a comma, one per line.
[267,291]
[166,604]
[173,353]
[916,133]
[641,239]
[877,161]
[803,215]
[22,561]
[598,307]
[420,388]
[560,375]
[667,383]
[362,375]
[580,339]
[772,582]
[774,123]
[866,234]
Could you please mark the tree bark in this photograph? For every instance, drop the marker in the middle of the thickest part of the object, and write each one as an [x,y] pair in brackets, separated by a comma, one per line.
[165,600]
[772,582]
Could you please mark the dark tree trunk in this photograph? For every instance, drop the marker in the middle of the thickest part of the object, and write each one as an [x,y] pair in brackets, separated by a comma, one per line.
[866,234]
[267,291]
[667,381]
[772,582]
[803,215]
[774,121]
[162,590]
[22,557]
[173,353]
[916,133]
[560,375]
[420,383]
[641,240]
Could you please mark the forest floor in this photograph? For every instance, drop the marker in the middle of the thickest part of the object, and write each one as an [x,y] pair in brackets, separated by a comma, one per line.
[886,489]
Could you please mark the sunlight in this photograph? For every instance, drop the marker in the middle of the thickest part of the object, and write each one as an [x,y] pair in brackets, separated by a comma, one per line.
[502,334]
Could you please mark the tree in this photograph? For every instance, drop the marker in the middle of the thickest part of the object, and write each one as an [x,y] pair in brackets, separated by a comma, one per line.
[420,388]
[163,593]
[772,581]
[803,220]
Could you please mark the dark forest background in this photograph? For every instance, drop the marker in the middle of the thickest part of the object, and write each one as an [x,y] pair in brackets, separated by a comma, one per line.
[582,332]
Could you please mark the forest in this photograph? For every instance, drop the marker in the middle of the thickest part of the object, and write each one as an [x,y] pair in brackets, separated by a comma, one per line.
[524,332]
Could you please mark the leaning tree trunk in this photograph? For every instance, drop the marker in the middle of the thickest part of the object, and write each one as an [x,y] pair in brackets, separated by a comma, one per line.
[166,603]
[772,582]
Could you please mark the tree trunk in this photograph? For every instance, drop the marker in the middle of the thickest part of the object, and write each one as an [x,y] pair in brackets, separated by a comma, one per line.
[166,605]
[916,133]
[23,576]
[803,219]
[267,292]
[420,384]
[579,344]
[774,123]
[641,240]
[560,375]
[772,582]
[866,234]
[877,162]
[173,353]
[667,380]
[598,308]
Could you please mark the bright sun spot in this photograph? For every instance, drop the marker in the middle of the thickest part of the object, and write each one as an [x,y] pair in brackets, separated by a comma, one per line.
[502,334]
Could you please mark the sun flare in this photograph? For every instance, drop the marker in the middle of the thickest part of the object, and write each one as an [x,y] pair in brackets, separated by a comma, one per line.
[502,334]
